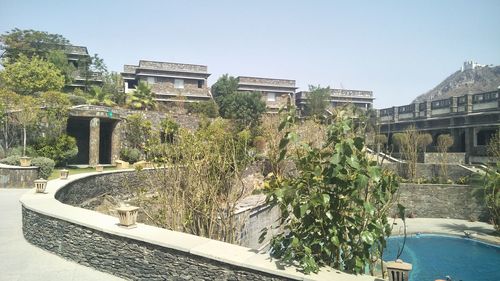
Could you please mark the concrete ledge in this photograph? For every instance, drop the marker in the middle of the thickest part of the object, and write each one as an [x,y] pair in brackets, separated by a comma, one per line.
[145,252]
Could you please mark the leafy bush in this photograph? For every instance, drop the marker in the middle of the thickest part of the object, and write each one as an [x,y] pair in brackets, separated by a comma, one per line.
[18,151]
[334,210]
[11,160]
[45,164]
[77,100]
[492,194]
[59,149]
[206,108]
[130,155]
[169,129]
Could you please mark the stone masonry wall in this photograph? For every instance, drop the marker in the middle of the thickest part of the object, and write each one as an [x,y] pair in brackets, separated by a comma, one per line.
[429,171]
[451,158]
[17,177]
[124,257]
[443,201]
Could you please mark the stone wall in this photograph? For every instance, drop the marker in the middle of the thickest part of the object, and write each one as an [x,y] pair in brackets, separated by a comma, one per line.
[451,157]
[429,171]
[17,177]
[443,201]
[124,257]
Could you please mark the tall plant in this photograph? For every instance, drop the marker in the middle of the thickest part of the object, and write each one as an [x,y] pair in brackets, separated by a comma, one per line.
[334,212]
[26,113]
[444,142]
[409,144]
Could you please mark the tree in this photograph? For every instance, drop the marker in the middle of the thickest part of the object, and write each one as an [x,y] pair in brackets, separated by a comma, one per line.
[55,111]
[409,143]
[99,97]
[425,141]
[29,43]
[138,130]
[60,60]
[26,113]
[334,210]
[28,76]
[444,142]
[317,100]
[142,97]
[226,85]
[245,108]
[113,85]
[8,101]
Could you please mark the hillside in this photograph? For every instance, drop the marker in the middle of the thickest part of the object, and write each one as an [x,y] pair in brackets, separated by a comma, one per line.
[480,79]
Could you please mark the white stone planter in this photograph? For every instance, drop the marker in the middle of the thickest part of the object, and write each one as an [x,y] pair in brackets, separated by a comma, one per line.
[40,185]
[25,161]
[99,168]
[398,270]
[64,174]
[128,216]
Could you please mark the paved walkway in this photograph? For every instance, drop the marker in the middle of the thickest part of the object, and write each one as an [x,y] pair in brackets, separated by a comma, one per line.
[480,230]
[20,260]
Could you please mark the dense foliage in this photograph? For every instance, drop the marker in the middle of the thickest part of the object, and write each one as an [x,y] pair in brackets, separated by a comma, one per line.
[334,211]
[45,164]
[27,76]
[60,149]
[317,101]
[204,108]
[142,97]
[198,192]
[246,108]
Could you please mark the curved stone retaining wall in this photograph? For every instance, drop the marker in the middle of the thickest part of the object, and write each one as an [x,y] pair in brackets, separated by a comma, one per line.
[144,252]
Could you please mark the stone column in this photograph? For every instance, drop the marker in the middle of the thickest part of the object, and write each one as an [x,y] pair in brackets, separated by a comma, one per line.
[116,142]
[454,104]
[94,141]
[428,109]
[468,103]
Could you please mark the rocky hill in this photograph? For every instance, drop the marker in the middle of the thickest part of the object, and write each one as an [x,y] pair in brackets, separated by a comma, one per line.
[477,80]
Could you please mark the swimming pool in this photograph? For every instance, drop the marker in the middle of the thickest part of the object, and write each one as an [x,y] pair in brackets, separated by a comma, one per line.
[437,256]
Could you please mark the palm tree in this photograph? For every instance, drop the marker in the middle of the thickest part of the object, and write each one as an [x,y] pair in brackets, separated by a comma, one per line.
[100,97]
[142,97]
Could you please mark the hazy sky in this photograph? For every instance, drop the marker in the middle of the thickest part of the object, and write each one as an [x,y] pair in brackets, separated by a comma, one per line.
[397,49]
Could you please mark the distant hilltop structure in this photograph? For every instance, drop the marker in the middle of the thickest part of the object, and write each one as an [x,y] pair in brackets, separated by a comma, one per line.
[468,65]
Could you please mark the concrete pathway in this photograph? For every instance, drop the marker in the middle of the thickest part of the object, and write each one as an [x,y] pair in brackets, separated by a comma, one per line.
[480,230]
[19,260]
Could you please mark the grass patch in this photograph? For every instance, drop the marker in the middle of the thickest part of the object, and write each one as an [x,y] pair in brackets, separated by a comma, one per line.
[73,171]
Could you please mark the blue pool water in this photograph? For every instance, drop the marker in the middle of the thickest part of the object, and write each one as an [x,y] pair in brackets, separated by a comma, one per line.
[435,257]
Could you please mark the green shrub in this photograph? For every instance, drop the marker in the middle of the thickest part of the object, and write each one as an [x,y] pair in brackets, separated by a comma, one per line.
[77,100]
[60,149]
[130,155]
[206,108]
[11,160]
[18,151]
[45,164]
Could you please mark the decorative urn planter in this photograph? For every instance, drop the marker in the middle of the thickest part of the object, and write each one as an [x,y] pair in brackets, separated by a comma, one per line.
[127,216]
[40,185]
[398,270]
[99,168]
[64,174]
[25,161]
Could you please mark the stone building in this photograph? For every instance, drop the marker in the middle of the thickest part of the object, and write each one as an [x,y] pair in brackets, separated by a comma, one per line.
[276,93]
[338,97]
[170,82]
[79,57]
[471,120]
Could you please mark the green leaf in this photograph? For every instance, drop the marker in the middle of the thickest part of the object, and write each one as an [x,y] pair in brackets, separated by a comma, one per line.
[367,237]
[326,198]
[335,240]
[303,209]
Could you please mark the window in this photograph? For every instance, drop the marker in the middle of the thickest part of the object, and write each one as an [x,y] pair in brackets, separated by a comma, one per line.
[271,96]
[179,83]
[159,79]
[200,84]
[151,80]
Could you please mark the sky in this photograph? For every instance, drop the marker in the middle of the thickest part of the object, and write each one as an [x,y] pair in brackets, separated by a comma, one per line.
[397,49]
